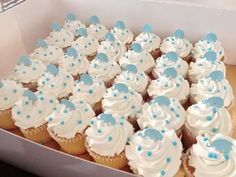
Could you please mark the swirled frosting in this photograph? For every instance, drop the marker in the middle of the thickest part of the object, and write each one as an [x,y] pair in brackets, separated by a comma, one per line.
[122,101]
[154,153]
[214,156]
[72,23]
[162,112]
[70,118]
[32,109]
[107,135]
[177,43]
[10,92]
[56,81]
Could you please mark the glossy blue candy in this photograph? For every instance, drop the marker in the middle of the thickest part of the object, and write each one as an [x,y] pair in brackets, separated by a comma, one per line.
[216,76]
[70,17]
[68,104]
[162,100]
[82,32]
[121,88]
[86,79]
[42,43]
[110,37]
[107,118]
[152,134]
[172,56]
[102,57]
[147,28]
[210,56]
[56,27]
[131,68]
[72,52]
[222,145]
[214,102]
[211,37]
[170,72]
[120,25]
[52,69]
[94,20]
[30,95]
[136,47]
[25,60]
[179,34]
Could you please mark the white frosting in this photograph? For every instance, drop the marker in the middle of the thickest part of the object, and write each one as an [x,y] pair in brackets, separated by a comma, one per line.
[151,157]
[73,25]
[97,30]
[124,36]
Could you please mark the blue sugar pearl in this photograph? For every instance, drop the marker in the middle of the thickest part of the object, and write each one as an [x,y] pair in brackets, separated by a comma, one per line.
[226,156]
[54,109]
[18,112]
[28,116]
[99,131]
[41,98]
[209,118]
[91,122]
[172,109]
[205,139]
[50,101]
[65,111]
[154,116]
[67,76]
[26,103]
[139,148]
[174,143]
[43,82]
[86,110]
[167,122]
[121,123]
[62,122]
[81,102]
[52,85]
[149,153]
[163,172]
[49,119]
[14,90]
[125,97]
[168,160]
[33,68]
[214,130]
[80,121]
[90,91]
[5,98]
[177,85]
[133,107]
[177,115]
[78,90]
[110,138]
[39,111]
[64,84]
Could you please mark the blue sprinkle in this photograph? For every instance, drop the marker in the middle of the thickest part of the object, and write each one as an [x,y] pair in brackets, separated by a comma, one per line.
[168,160]
[90,91]
[65,111]
[139,148]
[41,98]
[163,172]
[86,110]
[80,121]
[28,116]
[209,118]
[49,119]
[149,153]
[50,101]
[99,131]
[91,122]
[18,112]
[62,122]
[214,130]
[226,156]
[174,143]
[14,90]
[109,138]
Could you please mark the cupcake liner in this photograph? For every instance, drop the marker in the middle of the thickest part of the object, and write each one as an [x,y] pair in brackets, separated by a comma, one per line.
[91,57]
[149,72]
[109,83]
[184,102]
[187,58]
[153,76]
[97,107]
[6,121]
[31,86]
[179,132]
[188,169]
[145,95]
[156,53]
[76,77]
[38,135]
[74,146]
[187,138]
[133,121]
[64,97]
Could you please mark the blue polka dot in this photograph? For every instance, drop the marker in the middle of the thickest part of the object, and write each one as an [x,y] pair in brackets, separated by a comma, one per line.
[209,118]
[26,103]
[125,97]
[62,122]
[174,143]
[28,116]
[121,123]
[39,111]
[214,130]
[91,122]
[65,111]
[167,122]
[99,131]
[81,102]
[41,98]
[78,90]
[90,91]
[5,98]
[149,153]
[50,101]
[64,84]
[139,148]
[49,119]
[80,121]
[168,160]
[163,172]
[18,112]
[110,138]
[14,90]
[86,109]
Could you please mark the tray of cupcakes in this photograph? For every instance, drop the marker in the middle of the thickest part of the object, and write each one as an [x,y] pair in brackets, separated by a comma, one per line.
[140,104]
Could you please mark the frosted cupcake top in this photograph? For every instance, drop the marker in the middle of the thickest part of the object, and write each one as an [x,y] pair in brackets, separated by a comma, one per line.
[169,60]
[56,81]
[70,118]
[103,68]
[214,84]
[27,70]
[59,36]
[208,43]
[122,101]
[209,116]
[107,136]
[111,47]
[74,62]
[147,39]
[47,53]
[139,57]
[89,89]
[177,43]
[86,44]
[72,23]
[205,66]
[154,153]
[169,84]
[214,156]
[162,112]
[96,29]
[122,33]
[10,92]
[32,109]
[133,78]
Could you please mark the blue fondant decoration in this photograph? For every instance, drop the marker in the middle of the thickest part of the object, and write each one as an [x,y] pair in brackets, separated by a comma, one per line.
[42,43]
[121,87]
[52,69]
[170,72]
[136,47]
[210,56]
[82,32]
[110,37]
[222,145]
[107,118]
[179,34]
[214,102]
[30,95]
[147,28]
[120,25]
[25,60]
[162,100]
[56,27]
[216,76]
[70,17]
[87,79]
[102,57]
[68,104]
[94,20]
[72,52]
[1,84]
[152,134]
[131,68]
[211,37]
[172,56]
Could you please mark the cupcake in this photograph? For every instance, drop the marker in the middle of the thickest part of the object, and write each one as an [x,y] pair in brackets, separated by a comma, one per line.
[154,153]
[72,23]
[60,37]
[57,82]
[214,84]
[10,92]
[171,85]
[122,101]
[47,53]
[209,116]
[205,66]
[208,43]
[149,41]
[177,43]
[133,78]
[28,72]
[104,69]
[162,112]
[86,44]
[169,60]
[96,29]
[67,125]
[139,57]
[111,47]
[106,139]
[74,62]
[90,90]
[30,114]
[211,156]
[122,33]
